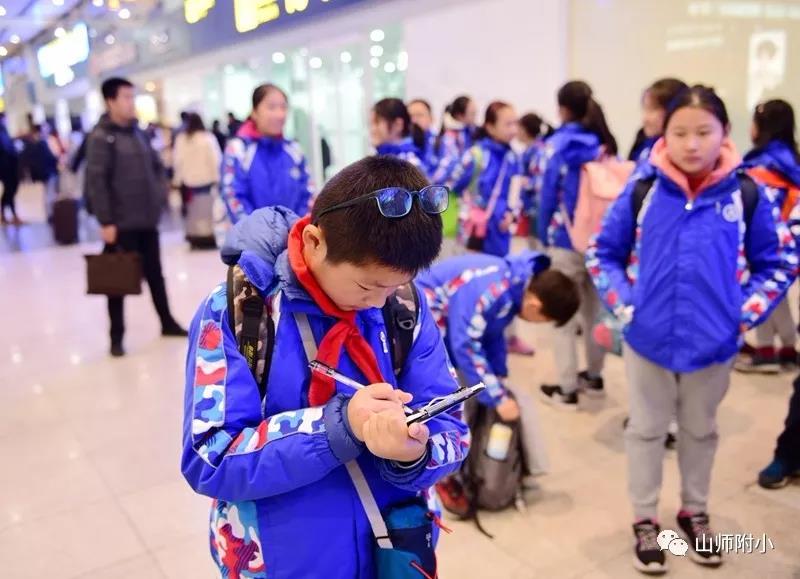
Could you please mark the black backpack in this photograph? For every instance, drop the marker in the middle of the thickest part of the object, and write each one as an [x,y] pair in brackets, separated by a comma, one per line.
[250,319]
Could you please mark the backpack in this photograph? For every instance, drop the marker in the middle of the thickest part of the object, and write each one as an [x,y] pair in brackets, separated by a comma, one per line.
[601,182]
[777,181]
[492,484]
[250,319]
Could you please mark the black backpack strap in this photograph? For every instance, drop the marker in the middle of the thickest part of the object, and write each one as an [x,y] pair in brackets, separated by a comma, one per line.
[640,191]
[253,311]
[400,314]
[750,196]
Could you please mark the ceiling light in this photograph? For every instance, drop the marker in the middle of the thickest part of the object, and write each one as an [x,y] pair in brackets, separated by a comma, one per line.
[149,86]
[3,51]
[374,62]
[278,57]
[2,10]
[59,32]
[376,50]
[124,13]
[58,2]
[14,39]
[389,67]
[110,39]
[377,35]
[315,62]
[346,57]
[98,3]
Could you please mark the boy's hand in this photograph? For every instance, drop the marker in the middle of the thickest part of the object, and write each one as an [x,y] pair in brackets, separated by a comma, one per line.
[371,400]
[508,409]
[387,436]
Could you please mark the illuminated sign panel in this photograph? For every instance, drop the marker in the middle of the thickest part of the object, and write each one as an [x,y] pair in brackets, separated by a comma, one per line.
[56,58]
[195,10]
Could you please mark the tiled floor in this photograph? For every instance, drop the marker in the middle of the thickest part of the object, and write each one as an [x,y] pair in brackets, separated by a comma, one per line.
[91,486]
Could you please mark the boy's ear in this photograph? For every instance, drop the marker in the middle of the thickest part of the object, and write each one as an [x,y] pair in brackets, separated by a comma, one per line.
[314,242]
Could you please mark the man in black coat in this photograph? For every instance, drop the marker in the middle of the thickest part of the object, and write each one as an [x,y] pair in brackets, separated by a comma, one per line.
[126,188]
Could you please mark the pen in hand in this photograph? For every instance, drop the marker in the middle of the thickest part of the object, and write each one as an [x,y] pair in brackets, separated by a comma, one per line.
[325,370]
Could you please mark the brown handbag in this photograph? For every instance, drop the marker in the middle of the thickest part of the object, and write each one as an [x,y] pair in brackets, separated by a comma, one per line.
[116,273]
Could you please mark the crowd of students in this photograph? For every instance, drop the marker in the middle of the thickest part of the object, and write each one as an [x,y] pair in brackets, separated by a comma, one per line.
[697,248]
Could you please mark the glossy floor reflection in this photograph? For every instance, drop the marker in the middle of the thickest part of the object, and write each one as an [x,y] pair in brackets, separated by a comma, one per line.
[91,486]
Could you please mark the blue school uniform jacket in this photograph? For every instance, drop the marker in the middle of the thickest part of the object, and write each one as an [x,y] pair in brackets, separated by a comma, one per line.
[452,146]
[259,171]
[284,505]
[691,274]
[566,151]
[405,150]
[473,299]
[494,164]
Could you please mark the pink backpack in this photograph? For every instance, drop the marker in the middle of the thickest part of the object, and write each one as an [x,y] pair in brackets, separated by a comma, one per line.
[601,183]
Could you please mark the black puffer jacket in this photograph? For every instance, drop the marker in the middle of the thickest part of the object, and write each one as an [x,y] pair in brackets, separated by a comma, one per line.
[125,181]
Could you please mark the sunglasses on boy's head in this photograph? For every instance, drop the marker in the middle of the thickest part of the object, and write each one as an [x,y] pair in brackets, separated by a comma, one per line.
[396,202]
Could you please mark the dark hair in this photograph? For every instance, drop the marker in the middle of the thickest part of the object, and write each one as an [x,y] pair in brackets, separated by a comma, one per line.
[361,235]
[194,124]
[558,293]
[110,87]
[423,102]
[534,126]
[457,108]
[698,96]
[262,91]
[775,122]
[664,90]
[576,97]
[490,118]
[391,109]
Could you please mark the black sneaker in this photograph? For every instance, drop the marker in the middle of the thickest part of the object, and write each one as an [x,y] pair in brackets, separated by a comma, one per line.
[703,546]
[787,357]
[117,351]
[764,361]
[594,387]
[173,330]
[555,395]
[648,556]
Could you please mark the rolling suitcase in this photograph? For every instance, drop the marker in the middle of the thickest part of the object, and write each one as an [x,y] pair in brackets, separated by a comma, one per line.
[199,218]
[65,221]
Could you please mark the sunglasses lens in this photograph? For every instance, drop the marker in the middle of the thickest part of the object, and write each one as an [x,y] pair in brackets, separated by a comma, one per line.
[434,199]
[394,202]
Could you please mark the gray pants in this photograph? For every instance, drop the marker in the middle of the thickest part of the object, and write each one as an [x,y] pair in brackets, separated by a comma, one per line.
[779,323]
[572,264]
[656,396]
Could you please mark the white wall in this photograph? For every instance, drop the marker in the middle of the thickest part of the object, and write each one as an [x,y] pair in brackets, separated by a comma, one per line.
[513,50]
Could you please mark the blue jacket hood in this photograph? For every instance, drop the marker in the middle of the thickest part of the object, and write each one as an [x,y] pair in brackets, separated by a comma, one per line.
[778,157]
[258,243]
[576,145]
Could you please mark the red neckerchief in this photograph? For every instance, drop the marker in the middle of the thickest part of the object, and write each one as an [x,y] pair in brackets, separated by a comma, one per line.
[343,334]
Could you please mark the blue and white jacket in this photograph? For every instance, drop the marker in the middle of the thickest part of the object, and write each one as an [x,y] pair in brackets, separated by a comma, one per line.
[778,158]
[284,504]
[259,171]
[487,162]
[473,298]
[566,151]
[454,142]
[688,276]
[405,150]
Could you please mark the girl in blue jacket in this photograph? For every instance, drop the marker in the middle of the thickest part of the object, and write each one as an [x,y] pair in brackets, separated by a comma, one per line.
[774,162]
[583,137]
[260,167]
[533,132]
[655,100]
[455,137]
[278,455]
[390,132]
[689,258]
[421,115]
[485,177]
